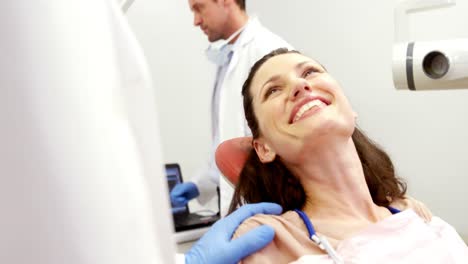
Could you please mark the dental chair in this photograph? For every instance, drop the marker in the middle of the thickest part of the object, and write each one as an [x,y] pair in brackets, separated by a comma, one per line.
[231,156]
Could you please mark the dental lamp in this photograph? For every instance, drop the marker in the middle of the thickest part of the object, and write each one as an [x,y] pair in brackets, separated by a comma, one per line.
[427,65]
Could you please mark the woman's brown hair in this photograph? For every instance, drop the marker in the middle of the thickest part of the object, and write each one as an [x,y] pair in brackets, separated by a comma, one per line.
[273,182]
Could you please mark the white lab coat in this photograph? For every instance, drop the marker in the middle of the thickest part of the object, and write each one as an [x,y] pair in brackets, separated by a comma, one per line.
[81,173]
[254,42]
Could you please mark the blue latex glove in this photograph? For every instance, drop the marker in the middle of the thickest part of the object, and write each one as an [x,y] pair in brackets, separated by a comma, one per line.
[182,193]
[216,247]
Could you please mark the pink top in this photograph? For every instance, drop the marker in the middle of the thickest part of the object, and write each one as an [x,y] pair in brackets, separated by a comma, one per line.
[400,238]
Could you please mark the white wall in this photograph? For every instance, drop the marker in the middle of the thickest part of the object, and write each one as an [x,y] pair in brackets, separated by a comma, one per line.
[424,132]
[182,75]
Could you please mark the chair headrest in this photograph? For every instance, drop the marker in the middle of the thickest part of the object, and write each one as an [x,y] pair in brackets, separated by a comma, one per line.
[231,156]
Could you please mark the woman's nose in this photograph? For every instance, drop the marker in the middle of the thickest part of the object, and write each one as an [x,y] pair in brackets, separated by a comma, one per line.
[300,89]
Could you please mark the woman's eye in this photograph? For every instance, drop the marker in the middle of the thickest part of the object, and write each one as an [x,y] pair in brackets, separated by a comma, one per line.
[271,91]
[309,72]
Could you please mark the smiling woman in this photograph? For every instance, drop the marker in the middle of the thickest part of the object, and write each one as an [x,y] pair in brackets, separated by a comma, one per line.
[335,184]
[279,103]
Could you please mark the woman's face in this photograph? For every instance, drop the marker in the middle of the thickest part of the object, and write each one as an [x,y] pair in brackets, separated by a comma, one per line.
[297,105]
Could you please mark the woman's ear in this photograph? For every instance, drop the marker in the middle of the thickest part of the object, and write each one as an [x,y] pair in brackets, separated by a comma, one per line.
[264,152]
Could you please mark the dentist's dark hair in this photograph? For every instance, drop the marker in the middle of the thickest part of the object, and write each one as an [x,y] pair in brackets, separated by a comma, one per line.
[240,3]
[273,182]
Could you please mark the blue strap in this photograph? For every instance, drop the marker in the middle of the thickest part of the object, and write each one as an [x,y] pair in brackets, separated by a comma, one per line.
[310,226]
[307,222]
[393,210]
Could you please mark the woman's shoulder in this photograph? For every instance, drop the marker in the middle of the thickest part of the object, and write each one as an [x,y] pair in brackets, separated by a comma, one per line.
[286,221]
[291,239]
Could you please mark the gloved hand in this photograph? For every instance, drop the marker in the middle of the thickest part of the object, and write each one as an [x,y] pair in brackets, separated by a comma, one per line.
[216,247]
[182,193]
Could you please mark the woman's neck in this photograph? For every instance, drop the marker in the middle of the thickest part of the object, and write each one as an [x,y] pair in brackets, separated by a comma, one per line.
[334,183]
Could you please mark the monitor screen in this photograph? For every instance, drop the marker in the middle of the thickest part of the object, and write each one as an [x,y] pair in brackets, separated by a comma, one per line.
[174,176]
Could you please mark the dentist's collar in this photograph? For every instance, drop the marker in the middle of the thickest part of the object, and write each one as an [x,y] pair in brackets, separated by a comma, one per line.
[218,51]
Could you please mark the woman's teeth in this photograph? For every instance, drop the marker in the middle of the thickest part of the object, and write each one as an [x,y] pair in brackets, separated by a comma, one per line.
[306,107]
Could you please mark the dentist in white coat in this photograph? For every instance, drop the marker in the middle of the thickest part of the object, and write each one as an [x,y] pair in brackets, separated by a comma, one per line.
[81,172]
[237,42]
